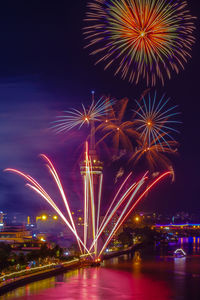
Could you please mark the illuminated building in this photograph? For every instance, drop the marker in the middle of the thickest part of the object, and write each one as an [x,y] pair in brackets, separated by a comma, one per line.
[14,234]
[1,217]
[48,223]
[19,238]
[177,226]
[28,220]
[96,168]
[1,220]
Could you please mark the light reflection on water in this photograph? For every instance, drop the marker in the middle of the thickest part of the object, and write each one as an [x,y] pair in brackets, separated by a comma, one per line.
[140,277]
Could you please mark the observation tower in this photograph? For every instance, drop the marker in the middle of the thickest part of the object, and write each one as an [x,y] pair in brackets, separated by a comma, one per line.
[91,169]
[96,164]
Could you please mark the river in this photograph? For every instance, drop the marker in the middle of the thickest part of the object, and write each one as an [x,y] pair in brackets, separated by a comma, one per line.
[150,274]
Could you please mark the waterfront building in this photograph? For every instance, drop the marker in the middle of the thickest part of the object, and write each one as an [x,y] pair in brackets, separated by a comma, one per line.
[19,238]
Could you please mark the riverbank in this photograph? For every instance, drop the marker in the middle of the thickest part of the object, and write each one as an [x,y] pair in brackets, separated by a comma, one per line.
[39,274]
[51,270]
[163,276]
[122,252]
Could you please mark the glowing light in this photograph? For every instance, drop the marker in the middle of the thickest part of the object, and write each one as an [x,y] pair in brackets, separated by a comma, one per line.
[114,199]
[154,121]
[73,118]
[116,130]
[54,174]
[55,217]
[127,198]
[142,33]
[155,153]
[35,269]
[178,225]
[126,213]
[180,252]
[140,39]
[34,185]
[44,217]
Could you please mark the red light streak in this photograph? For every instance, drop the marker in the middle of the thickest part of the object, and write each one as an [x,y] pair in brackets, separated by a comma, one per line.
[38,189]
[127,196]
[130,210]
[60,188]
[119,190]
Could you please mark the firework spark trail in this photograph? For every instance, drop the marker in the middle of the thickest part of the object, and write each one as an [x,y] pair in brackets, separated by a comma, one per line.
[92,198]
[85,209]
[38,189]
[74,117]
[95,215]
[140,39]
[118,224]
[119,190]
[99,202]
[89,176]
[143,194]
[60,188]
[99,207]
[128,196]
[154,153]
[119,203]
[154,120]
[138,186]
[117,130]
[86,196]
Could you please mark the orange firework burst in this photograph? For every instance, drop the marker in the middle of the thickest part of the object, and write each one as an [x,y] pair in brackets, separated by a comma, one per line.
[155,152]
[141,39]
[119,131]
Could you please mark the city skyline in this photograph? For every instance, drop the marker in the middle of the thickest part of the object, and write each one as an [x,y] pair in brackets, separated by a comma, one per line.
[39,80]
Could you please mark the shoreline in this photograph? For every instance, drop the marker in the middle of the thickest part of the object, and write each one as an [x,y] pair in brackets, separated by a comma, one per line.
[37,276]
[57,269]
[122,252]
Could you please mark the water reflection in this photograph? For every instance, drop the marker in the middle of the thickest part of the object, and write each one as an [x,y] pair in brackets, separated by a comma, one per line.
[96,283]
[137,257]
[179,276]
[29,289]
[142,276]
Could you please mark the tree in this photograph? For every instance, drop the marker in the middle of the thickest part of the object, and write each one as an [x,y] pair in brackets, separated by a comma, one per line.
[5,251]
[125,238]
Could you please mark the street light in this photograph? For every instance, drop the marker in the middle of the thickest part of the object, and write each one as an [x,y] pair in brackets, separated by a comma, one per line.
[137,219]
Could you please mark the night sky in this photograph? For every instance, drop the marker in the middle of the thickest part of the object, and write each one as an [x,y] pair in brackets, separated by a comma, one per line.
[45,70]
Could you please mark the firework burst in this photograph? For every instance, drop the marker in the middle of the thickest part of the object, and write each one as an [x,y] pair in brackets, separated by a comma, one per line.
[155,153]
[154,122]
[127,202]
[141,39]
[78,118]
[118,131]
